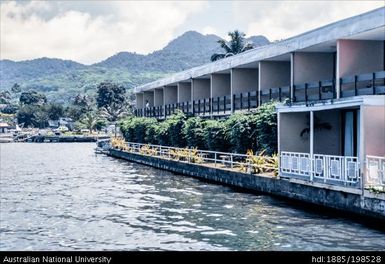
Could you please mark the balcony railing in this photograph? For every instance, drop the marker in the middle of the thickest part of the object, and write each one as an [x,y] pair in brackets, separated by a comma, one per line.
[363,84]
[375,170]
[341,170]
[314,91]
[221,105]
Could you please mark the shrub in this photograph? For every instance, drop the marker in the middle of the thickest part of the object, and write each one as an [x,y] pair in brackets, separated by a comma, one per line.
[215,135]
[266,128]
[241,132]
[193,132]
[175,126]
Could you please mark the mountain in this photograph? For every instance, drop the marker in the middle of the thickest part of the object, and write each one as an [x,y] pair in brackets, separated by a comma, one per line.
[61,80]
[36,68]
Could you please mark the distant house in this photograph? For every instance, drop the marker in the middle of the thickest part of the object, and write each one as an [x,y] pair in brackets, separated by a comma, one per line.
[5,128]
[53,123]
[66,121]
[61,122]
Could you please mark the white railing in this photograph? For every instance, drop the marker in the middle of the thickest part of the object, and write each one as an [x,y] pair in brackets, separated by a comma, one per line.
[375,171]
[204,156]
[326,168]
[241,162]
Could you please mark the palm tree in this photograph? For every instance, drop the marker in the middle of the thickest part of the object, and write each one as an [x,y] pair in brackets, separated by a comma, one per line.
[236,45]
[90,119]
[114,112]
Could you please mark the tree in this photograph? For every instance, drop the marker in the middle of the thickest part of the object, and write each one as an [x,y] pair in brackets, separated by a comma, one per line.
[113,112]
[32,98]
[110,94]
[55,111]
[89,120]
[26,115]
[83,102]
[16,88]
[236,45]
[10,109]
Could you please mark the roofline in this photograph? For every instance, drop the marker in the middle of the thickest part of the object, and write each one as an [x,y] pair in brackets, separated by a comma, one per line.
[337,30]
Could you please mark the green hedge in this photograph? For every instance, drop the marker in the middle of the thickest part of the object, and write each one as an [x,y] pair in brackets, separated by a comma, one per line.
[241,131]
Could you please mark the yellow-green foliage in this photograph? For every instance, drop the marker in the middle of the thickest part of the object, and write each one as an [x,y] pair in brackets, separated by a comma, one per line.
[147,150]
[119,143]
[260,163]
[191,155]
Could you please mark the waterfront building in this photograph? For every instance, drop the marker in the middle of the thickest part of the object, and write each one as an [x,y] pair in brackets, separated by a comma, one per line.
[331,85]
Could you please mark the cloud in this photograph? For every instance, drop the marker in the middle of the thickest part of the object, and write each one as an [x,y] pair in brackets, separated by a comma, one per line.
[209,30]
[89,33]
[283,19]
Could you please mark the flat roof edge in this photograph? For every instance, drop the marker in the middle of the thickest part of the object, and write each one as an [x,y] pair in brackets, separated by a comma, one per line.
[337,30]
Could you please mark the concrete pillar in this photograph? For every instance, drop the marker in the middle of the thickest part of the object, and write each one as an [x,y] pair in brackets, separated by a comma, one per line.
[358,56]
[184,92]
[139,100]
[220,85]
[170,95]
[148,96]
[200,89]
[158,97]
[312,67]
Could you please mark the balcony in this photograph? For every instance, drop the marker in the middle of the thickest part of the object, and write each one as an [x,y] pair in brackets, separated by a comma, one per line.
[363,84]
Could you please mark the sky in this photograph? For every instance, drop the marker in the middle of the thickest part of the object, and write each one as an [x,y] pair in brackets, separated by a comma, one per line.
[91,31]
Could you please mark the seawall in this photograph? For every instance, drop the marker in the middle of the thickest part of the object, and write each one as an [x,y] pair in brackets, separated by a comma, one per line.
[340,198]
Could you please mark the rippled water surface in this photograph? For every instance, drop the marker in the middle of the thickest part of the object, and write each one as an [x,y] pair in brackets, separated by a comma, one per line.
[64,197]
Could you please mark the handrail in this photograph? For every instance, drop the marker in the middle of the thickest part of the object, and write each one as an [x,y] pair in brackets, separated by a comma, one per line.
[361,84]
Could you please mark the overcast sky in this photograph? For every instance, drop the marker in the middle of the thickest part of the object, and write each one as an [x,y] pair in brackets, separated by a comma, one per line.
[90,31]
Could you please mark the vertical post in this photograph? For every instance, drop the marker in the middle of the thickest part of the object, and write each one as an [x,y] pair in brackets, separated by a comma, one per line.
[218,104]
[204,106]
[311,144]
[319,90]
[293,99]
[224,104]
[241,101]
[248,101]
[306,86]
[270,94]
[280,94]
[374,83]
[199,106]
[233,108]
[215,159]
[193,107]
[355,85]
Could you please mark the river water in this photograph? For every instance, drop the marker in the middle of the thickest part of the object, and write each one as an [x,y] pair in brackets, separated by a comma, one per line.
[64,197]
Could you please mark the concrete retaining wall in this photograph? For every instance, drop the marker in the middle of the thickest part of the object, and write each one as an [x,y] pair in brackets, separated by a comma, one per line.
[373,205]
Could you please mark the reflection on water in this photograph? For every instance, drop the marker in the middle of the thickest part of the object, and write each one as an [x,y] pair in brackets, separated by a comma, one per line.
[64,197]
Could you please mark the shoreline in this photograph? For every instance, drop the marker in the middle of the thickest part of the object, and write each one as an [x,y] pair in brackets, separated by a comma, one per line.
[355,202]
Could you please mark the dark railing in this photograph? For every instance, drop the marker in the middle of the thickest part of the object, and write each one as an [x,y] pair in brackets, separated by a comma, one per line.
[246,100]
[201,107]
[314,91]
[278,94]
[363,84]
[221,104]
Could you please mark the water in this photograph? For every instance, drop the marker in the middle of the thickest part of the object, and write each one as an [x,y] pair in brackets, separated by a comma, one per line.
[64,197]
